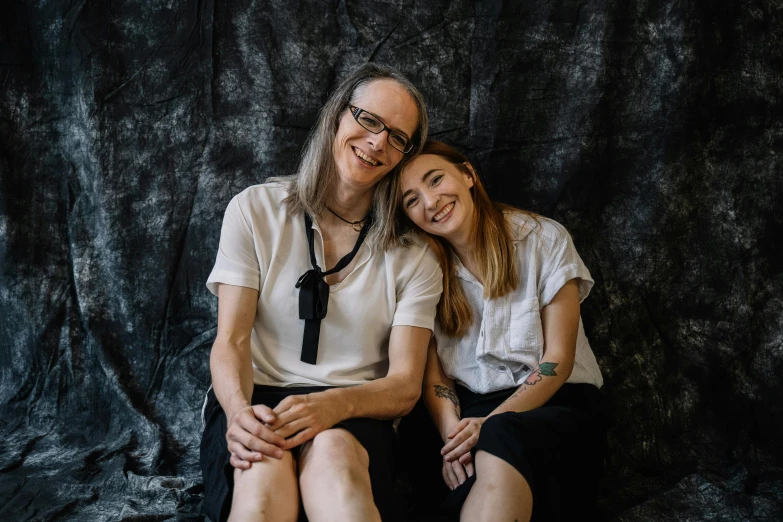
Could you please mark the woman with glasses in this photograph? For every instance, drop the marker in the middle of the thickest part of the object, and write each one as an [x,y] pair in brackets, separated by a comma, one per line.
[511,384]
[323,320]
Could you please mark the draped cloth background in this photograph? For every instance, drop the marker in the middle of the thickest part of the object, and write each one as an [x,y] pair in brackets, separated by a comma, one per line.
[652,130]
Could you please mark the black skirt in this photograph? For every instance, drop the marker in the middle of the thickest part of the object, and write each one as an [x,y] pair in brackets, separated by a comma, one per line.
[377,437]
[559,448]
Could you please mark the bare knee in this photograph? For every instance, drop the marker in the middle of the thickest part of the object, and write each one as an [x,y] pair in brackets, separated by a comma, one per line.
[334,448]
[495,471]
[267,489]
[335,478]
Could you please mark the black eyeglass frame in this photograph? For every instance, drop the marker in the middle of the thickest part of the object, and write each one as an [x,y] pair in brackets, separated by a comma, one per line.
[357,111]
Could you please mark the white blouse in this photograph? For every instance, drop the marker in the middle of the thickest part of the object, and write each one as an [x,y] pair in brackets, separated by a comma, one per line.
[264,248]
[506,340]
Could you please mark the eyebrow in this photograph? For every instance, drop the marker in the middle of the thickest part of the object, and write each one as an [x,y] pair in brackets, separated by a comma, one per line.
[398,131]
[423,179]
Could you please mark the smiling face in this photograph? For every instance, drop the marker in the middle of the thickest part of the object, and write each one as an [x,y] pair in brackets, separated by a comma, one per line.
[364,158]
[436,196]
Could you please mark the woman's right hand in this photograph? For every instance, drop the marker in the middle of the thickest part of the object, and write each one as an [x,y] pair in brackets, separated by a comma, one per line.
[462,438]
[456,473]
[249,440]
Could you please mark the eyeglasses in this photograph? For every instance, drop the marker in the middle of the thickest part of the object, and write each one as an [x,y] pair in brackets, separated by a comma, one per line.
[372,123]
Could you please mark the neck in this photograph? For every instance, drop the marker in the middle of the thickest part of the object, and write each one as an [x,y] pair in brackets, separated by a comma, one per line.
[463,247]
[351,205]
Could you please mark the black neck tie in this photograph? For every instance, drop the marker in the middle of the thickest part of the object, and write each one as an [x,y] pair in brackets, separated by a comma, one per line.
[314,292]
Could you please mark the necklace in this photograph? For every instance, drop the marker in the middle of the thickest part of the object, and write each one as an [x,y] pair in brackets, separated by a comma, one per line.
[357,225]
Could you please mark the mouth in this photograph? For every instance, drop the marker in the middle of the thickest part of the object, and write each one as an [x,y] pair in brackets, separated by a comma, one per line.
[372,162]
[443,212]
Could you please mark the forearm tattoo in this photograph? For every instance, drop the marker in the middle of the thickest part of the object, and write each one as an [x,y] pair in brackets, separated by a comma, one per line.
[545,369]
[447,393]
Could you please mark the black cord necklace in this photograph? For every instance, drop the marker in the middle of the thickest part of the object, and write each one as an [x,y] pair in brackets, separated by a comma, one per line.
[357,225]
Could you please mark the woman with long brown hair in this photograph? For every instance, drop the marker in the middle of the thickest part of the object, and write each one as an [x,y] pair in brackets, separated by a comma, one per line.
[511,384]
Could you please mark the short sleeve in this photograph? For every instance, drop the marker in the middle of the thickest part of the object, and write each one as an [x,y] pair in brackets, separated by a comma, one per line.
[560,263]
[237,261]
[418,297]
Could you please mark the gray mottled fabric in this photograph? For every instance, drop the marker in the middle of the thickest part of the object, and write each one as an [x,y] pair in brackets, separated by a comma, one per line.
[651,130]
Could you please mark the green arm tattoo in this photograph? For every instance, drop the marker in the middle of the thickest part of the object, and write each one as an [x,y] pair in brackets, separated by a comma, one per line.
[545,369]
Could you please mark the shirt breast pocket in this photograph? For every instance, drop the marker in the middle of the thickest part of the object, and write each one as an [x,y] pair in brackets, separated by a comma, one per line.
[525,331]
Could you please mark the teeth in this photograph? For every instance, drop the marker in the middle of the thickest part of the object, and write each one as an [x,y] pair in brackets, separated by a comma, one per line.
[445,210]
[366,158]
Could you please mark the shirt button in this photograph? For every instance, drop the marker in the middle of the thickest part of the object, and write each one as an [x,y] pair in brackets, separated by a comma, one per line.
[502,368]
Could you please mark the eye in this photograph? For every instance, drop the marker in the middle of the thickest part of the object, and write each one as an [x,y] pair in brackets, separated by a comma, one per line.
[399,140]
[411,201]
[368,120]
[436,179]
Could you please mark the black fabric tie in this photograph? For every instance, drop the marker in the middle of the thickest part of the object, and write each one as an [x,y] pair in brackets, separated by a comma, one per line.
[314,292]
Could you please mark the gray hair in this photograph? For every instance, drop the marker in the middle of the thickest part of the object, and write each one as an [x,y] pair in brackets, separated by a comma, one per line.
[317,172]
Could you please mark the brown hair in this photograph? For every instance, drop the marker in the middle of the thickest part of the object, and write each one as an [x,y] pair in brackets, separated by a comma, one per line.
[492,243]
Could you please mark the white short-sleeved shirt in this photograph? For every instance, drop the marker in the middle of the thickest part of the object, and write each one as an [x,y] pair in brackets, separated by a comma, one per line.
[506,340]
[262,247]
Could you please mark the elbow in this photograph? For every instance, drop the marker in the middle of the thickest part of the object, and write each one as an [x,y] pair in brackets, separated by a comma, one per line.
[567,369]
[217,353]
[409,398]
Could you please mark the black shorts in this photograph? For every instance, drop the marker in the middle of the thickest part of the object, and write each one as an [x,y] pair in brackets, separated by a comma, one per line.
[559,448]
[377,437]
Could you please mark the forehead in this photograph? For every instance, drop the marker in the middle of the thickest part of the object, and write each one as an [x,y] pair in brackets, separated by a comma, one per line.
[391,102]
[422,164]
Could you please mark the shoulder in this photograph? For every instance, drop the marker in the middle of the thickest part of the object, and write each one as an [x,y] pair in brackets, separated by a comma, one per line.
[415,249]
[535,229]
[410,259]
[264,194]
[259,207]
[265,199]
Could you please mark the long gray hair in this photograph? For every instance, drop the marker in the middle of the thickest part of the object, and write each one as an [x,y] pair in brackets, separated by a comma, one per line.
[317,172]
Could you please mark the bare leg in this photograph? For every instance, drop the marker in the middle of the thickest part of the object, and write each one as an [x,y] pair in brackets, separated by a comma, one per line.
[268,491]
[335,479]
[500,493]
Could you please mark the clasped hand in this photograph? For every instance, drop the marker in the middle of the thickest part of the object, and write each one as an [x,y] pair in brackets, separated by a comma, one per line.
[457,460]
[258,431]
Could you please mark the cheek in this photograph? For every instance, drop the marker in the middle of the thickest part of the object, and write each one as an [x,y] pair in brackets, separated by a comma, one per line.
[415,215]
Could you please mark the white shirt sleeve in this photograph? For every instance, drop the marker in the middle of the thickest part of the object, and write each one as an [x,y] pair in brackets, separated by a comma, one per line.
[420,291]
[237,260]
[560,263]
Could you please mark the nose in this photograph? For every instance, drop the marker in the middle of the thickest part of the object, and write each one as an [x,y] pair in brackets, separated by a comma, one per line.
[377,141]
[430,200]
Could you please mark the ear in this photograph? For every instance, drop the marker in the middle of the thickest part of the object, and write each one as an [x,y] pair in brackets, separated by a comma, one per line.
[470,176]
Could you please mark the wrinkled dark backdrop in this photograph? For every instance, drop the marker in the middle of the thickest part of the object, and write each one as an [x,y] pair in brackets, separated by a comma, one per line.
[652,130]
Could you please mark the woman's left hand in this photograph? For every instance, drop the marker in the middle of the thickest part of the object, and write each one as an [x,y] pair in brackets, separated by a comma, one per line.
[455,474]
[462,439]
[302,417]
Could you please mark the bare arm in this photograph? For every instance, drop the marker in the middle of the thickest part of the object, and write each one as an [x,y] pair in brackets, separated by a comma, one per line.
[560,320]
[443,404]
[302,417]
[396,394]
[439,395]
[229,360]
[232,378]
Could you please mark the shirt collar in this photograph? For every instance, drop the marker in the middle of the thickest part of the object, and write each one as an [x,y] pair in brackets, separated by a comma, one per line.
[520,224]
[462,272]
